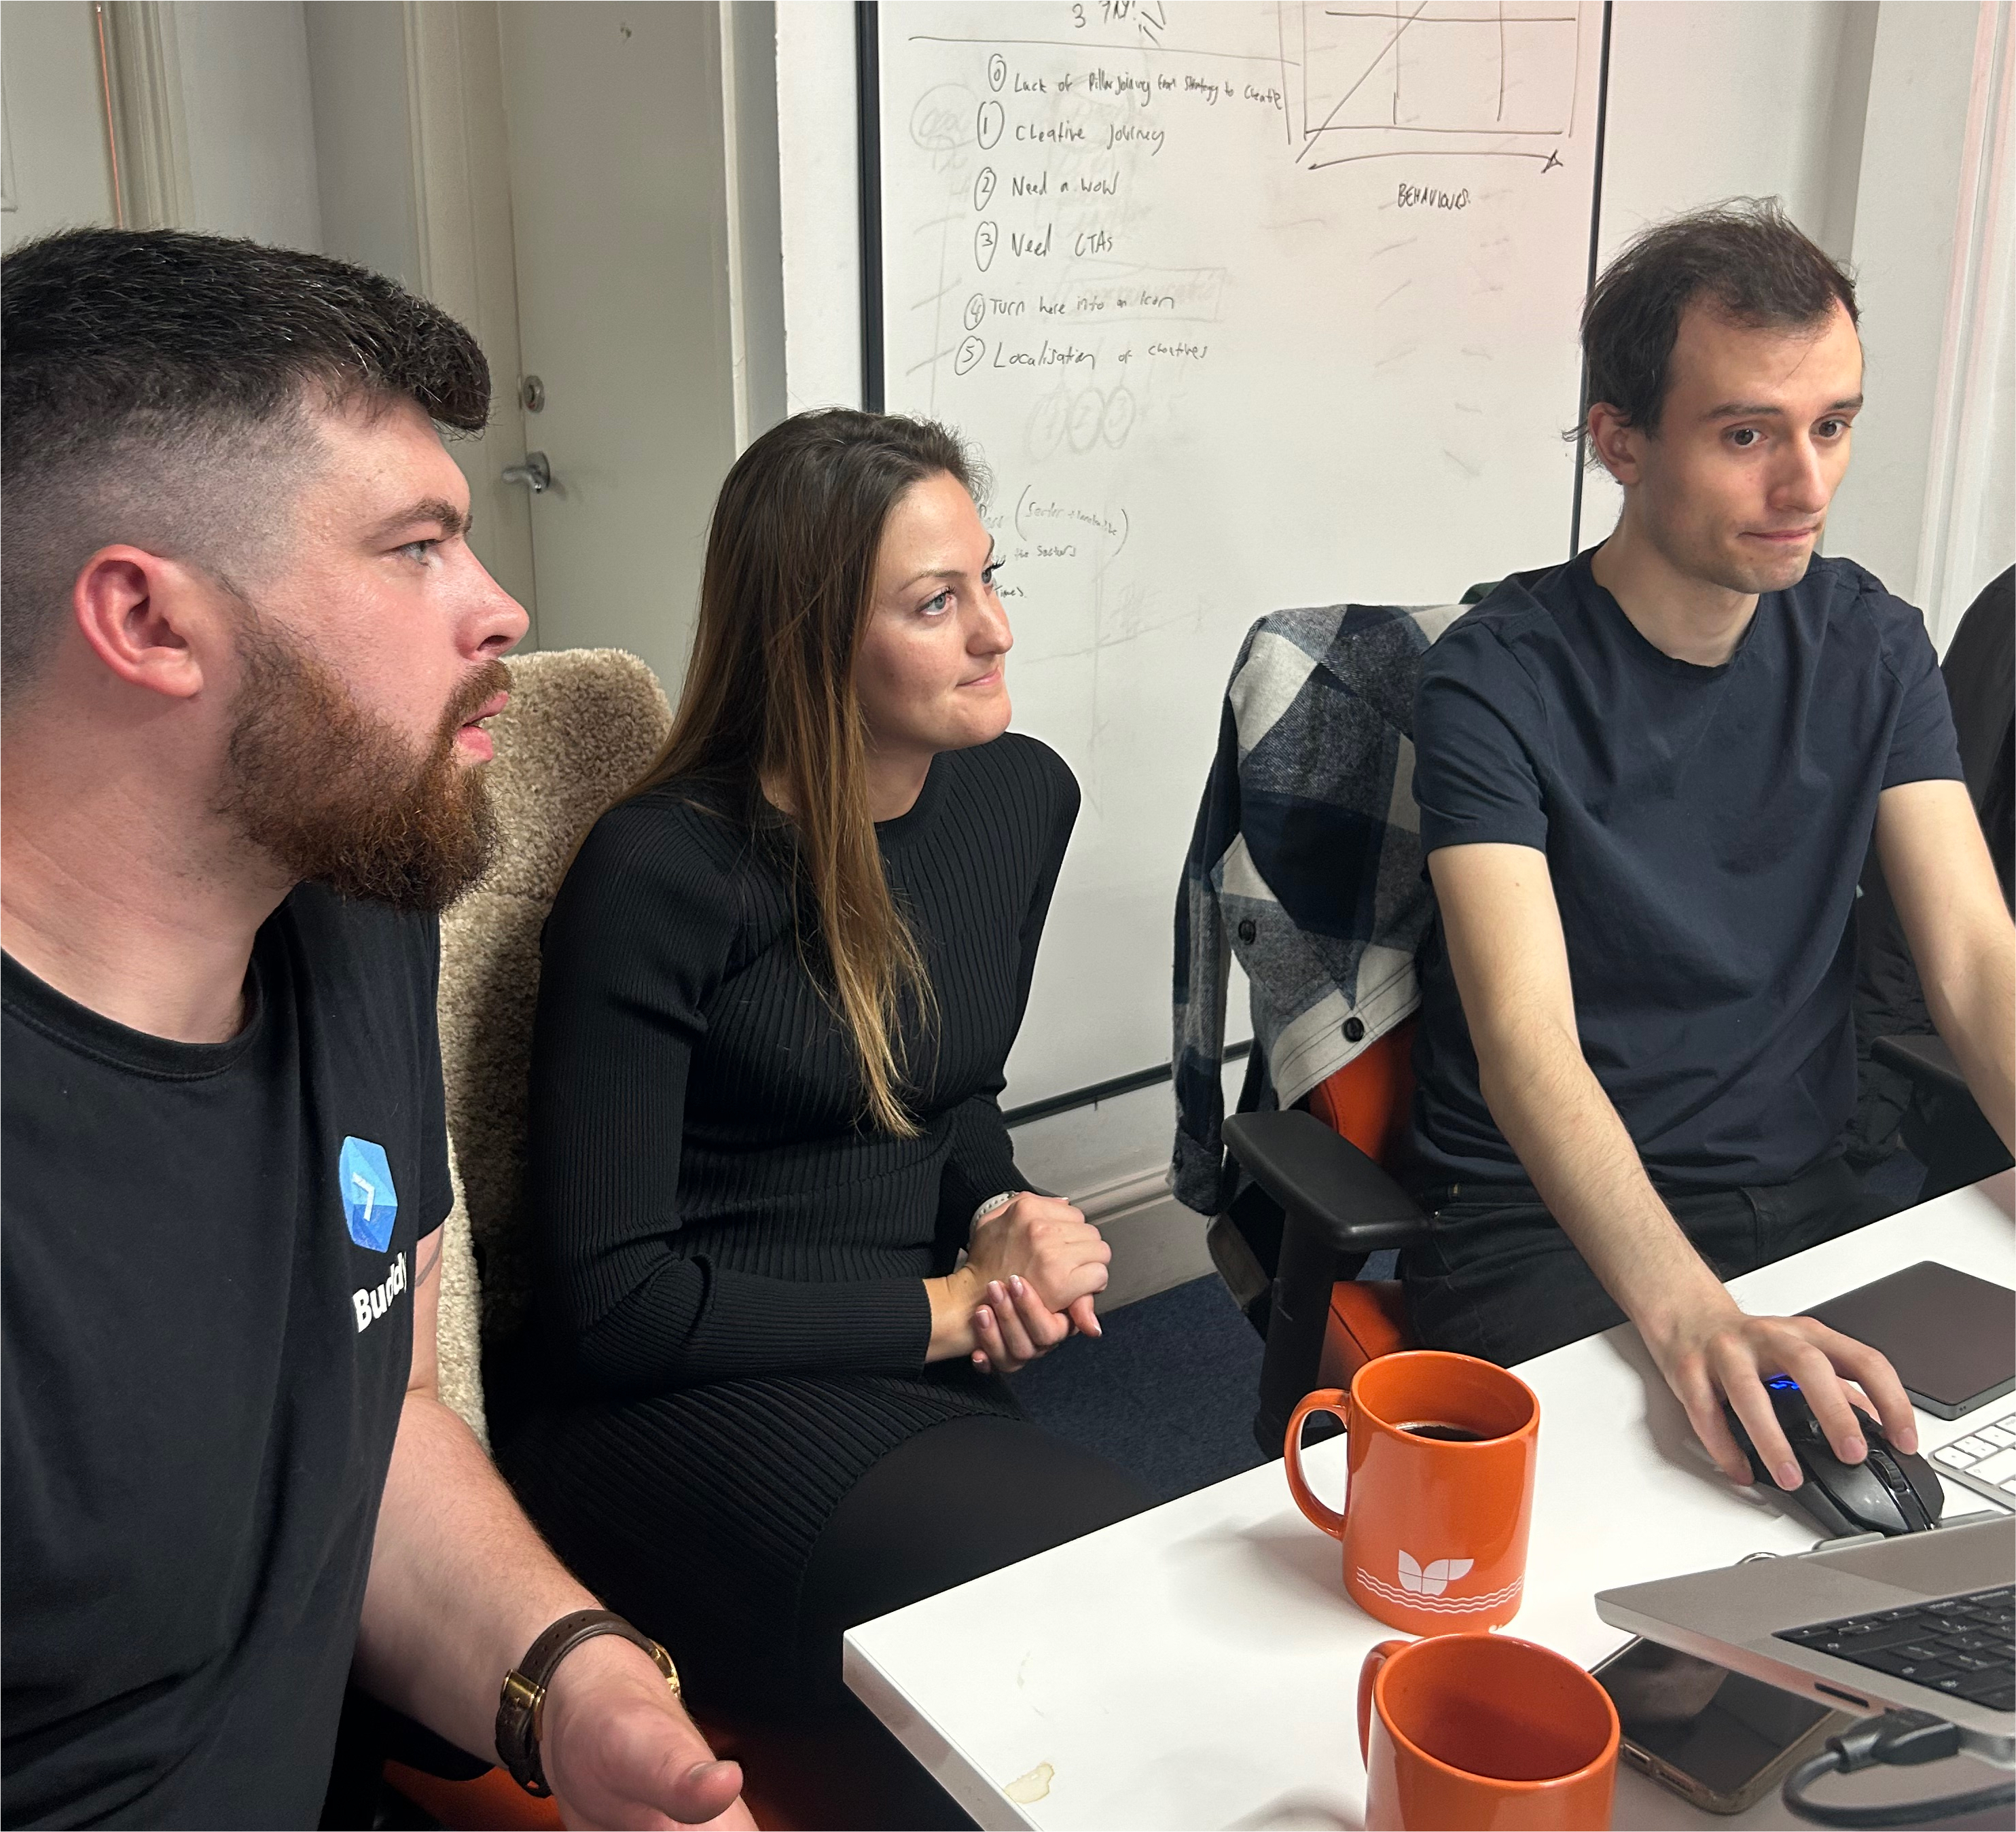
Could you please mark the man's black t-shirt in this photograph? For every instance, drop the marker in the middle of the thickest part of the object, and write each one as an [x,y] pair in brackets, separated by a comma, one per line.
[1703,829]
[209,1258]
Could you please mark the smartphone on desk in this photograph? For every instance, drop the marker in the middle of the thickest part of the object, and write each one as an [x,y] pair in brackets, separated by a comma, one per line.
[1719,1740]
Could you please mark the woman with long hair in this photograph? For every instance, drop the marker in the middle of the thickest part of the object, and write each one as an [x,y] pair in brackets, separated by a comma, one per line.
[780,983]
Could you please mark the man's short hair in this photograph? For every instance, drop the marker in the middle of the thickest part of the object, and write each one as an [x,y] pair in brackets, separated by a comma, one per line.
[1745,257]
[155,388]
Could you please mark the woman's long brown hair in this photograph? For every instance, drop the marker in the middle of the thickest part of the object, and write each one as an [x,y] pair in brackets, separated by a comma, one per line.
[769,697]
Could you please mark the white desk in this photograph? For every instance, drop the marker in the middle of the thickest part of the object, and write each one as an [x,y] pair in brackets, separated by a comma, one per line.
[1197,1665]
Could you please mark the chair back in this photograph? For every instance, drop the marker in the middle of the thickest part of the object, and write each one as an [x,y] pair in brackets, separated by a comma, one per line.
[1368,1100]
[582,726]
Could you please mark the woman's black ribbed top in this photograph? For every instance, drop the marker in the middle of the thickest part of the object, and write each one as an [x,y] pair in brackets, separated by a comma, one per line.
[732,1259]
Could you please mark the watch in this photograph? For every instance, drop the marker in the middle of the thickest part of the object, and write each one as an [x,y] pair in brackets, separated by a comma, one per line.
[521,1704]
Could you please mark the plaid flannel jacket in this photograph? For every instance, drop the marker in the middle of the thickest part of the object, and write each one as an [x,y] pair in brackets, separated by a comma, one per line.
[1306,859]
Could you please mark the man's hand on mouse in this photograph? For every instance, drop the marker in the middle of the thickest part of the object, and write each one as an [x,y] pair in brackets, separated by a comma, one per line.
[1713,1348]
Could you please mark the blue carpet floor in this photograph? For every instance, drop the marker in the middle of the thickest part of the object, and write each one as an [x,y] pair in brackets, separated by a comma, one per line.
[1167,1393]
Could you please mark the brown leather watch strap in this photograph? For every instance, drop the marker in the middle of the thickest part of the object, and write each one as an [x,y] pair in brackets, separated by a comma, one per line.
[521,1704]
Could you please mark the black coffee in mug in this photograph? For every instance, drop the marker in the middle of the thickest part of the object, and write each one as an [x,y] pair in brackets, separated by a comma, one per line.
[1443,1432]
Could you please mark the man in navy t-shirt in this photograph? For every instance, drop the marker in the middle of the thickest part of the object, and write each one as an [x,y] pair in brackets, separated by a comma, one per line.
[1647,781]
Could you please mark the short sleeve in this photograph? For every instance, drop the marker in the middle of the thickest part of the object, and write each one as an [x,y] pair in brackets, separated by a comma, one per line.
[1477,720]
[438,1197]
[1923,745]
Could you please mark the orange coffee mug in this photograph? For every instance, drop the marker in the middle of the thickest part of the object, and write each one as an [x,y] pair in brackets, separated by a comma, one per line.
[1441,1500]
[1479,1730]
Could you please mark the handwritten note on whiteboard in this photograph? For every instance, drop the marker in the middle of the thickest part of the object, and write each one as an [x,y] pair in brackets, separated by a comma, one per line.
[1244,305]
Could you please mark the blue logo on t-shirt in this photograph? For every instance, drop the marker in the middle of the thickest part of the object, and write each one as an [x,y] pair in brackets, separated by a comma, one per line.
[370,1204]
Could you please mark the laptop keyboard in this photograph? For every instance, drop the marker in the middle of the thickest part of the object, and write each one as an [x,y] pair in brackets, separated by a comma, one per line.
[1985,1458]
[1958,1645]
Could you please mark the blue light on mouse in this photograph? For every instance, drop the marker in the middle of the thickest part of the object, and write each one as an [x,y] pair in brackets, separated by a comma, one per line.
[1782,1383]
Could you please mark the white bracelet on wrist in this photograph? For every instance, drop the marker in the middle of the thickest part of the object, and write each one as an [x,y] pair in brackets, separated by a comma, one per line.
[993,1205]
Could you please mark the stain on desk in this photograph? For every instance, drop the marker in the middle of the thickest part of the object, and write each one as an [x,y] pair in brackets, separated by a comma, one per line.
[1031,1786]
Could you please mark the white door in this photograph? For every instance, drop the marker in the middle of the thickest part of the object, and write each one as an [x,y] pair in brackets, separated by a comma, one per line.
[619,223]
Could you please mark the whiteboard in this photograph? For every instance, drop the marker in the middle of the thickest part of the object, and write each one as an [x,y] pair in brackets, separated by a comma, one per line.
[1243,305]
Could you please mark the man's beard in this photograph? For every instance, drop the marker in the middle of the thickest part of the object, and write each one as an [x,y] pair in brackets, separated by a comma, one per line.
[339,797]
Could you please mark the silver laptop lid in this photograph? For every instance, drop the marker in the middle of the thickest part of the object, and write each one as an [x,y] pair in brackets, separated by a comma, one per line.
[1733,1616]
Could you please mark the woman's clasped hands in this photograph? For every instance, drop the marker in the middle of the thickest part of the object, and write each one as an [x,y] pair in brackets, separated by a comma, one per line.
[1032,1269]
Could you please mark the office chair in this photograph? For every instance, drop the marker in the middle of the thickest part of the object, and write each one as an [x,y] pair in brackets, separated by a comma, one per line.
[1944,1128]
[1305,864]
[1940,1124]
[582,727]
[1320,1165]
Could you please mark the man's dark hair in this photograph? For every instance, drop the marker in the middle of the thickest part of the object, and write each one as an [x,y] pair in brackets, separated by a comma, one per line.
[155,388]
[1745,257]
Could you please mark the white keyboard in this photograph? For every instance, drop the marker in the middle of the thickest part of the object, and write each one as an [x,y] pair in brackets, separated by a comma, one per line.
[1985,1458]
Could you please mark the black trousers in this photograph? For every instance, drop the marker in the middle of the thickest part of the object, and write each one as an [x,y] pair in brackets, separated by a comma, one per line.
[1498,1279]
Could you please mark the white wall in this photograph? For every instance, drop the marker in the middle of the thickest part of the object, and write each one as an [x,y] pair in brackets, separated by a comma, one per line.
[1713,98]
[1928,505]
[363,147]
[819,194]
[1771,104]
[249,117]
[246,108]
[55,157]
[755,208]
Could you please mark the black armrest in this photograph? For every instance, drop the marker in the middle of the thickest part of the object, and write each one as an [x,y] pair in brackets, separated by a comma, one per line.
[1339,1206]
[1323,1182]
[1926,1059]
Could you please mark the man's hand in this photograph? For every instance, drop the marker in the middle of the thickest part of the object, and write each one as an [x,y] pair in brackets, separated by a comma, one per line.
[460,1586]
[618,1751]
[1715,1350]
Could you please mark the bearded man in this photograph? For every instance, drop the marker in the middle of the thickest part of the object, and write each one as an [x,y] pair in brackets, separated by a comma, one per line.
[248,654]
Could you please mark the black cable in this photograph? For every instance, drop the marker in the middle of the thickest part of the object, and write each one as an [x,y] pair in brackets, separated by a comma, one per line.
[1897,1739]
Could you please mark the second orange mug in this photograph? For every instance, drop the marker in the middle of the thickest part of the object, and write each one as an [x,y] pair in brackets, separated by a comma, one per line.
[1441,1500]
[1480,1733]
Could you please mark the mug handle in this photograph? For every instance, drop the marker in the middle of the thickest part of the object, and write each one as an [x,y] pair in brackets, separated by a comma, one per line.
[1324,1399]
[1367,1674]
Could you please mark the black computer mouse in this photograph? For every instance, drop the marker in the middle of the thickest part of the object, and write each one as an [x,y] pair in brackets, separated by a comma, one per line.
[1891,1491]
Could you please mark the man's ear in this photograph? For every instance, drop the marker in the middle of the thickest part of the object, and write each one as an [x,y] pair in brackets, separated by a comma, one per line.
[1616,442]
[154,622]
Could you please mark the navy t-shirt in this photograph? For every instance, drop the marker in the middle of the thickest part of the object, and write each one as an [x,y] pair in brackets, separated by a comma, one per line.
[1703,829]
[209,1314]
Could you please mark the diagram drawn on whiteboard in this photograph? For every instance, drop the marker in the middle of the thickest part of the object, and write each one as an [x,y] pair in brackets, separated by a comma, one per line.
[1465,75]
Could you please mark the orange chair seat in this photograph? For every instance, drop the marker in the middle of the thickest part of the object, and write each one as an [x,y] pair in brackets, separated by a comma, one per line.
[493,1799]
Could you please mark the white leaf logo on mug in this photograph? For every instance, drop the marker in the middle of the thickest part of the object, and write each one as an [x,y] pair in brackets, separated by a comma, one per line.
[1433,1578]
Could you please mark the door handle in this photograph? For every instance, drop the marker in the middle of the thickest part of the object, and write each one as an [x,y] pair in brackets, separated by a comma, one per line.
[534,473]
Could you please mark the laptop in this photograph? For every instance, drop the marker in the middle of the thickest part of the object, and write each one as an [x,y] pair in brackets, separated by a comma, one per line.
[1922,1621]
